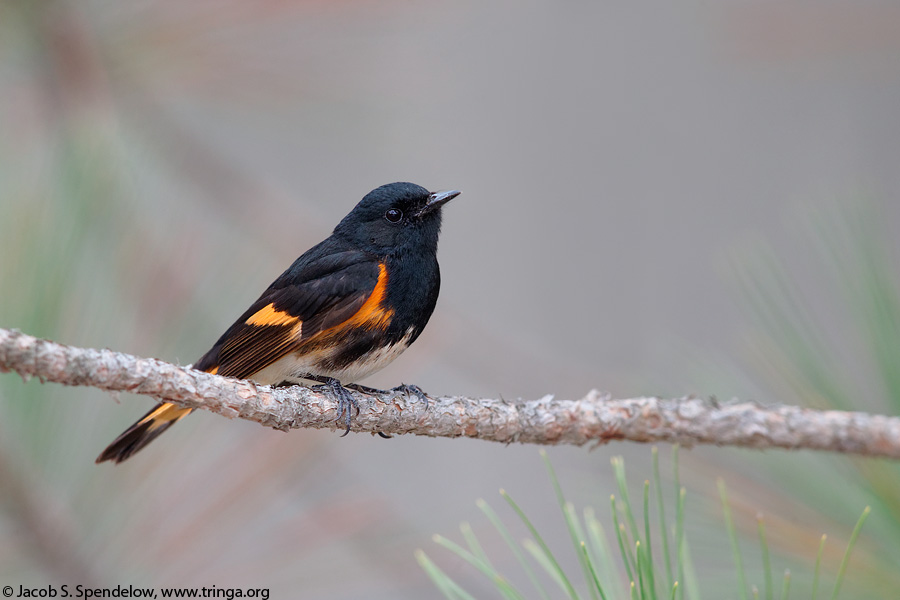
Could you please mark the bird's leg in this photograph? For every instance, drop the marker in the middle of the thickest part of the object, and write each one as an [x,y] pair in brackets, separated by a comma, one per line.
[369,390]
[345,398]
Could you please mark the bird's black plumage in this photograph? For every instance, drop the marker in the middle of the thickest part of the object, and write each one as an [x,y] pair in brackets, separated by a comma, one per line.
[344,309]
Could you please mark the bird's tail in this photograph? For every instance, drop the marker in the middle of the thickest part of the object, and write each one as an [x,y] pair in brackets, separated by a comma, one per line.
[163,416]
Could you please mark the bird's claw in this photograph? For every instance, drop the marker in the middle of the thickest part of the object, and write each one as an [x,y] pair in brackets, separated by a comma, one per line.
[412,390]
[406,388]
[346,401]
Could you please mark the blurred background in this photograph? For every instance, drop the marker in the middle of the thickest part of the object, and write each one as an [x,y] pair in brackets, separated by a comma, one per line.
[658,198]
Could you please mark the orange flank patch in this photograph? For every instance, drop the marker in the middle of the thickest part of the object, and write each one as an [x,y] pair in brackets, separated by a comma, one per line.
[214,370]
[372,314]
[166,413]
[269,316]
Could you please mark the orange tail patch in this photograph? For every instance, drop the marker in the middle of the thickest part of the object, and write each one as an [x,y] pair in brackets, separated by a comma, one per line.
[143,432]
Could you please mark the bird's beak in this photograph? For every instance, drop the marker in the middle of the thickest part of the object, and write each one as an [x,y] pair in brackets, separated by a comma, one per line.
[437,200]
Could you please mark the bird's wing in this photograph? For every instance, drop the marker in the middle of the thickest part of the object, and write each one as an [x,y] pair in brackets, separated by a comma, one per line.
[306,301]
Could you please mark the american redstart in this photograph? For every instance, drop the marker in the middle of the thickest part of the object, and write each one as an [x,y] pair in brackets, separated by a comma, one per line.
[345,309]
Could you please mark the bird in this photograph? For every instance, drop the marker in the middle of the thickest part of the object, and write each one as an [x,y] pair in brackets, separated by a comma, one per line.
[343,310]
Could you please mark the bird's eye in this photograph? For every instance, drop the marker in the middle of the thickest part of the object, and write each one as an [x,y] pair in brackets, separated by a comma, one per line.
[393,215]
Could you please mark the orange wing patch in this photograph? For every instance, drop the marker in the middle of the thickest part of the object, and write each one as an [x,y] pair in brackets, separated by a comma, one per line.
[269,316]
[372,315]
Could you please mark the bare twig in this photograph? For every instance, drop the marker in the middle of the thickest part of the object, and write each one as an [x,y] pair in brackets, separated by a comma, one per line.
[595,418]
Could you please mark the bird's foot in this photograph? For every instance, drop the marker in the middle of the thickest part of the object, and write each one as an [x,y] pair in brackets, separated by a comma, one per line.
[346,401]
[408,389]
[412,390]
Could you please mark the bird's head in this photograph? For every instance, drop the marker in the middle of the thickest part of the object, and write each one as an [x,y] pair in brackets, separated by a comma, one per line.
[396,217]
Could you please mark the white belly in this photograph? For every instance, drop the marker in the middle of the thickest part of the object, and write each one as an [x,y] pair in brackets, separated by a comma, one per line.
[292,367]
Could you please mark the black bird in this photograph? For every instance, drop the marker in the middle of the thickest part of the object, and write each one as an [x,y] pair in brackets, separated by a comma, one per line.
[345,309]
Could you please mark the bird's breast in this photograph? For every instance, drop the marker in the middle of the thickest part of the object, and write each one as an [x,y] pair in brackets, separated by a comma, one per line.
[349,361]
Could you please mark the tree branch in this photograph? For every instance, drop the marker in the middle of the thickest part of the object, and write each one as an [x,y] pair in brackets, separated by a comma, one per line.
[595,418]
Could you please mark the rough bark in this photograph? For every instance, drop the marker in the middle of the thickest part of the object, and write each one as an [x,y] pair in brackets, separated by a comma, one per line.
[597,418]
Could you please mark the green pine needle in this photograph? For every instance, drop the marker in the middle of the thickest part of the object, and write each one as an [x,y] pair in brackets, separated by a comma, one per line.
[474,546]
[594,579]
[846,560]
[786,586]
[571,520]
[767,565]
[598,562]
[627,559]
[602,552]
[549,565]
[732,536]
[663,534]
[556,569]
[446,585]
[648,551]
[510,542]
[499,581]
[640,569]
[815,582]
[691,582]
[618,464]
[680,543]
